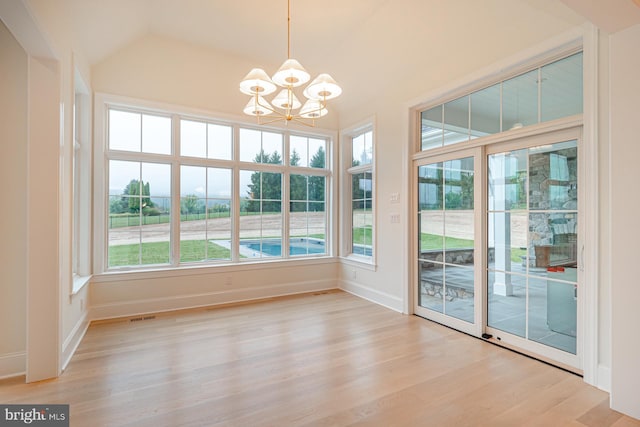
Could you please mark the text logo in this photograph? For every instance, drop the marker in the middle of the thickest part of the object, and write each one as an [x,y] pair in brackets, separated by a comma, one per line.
[34,415]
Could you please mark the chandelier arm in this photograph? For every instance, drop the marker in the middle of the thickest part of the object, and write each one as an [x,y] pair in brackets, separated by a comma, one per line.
[322,104]
[268,106]
[280,118]
[301,120]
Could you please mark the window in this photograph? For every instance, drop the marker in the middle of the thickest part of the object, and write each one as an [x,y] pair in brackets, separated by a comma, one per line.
[188,191]
[361,187]
[81,196]
[546,93]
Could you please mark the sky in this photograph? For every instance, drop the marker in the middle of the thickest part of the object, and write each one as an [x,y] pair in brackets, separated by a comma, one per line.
[146,133]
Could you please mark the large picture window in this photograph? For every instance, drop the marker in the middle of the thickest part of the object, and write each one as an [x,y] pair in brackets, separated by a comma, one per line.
[183,190]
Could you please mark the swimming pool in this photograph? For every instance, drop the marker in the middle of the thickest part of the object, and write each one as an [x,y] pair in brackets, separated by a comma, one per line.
[273,247]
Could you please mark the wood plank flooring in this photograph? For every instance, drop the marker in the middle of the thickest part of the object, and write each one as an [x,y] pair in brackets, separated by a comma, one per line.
[326,359]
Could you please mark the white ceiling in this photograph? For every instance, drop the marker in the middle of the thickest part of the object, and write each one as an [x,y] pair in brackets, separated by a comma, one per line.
[257,28]
[399,36]
[250,28]
[610,15]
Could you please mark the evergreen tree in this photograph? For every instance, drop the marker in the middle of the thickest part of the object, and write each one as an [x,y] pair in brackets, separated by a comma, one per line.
[317,183]
[265,190]
[191,204]
[135,196]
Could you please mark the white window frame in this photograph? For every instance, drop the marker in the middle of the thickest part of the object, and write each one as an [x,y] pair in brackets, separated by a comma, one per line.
[346,138]
[81,185]
[103,102]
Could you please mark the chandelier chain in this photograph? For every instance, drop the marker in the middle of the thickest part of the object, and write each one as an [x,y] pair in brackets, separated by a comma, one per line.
[288,29]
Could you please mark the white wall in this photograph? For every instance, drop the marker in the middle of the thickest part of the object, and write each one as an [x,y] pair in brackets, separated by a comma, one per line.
[159,69]
[625,233]
[13,225]
[43,216]
[43,29]
[140,293]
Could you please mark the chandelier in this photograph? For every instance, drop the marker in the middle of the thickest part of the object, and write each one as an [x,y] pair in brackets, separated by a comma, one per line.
[285,106]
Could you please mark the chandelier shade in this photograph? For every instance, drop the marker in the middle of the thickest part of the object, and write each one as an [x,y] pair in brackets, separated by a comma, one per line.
[286,99]
[291,73]
[256,107]
[323,88]
[286,106]
[313,109]
[257,82]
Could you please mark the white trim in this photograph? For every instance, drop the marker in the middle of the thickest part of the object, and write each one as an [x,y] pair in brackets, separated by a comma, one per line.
[381,298]
[208,299]
[79,282]
[589,214]
[82,163]
[544,128]
[199,270]
[22,23]
[345,172]
[358,261]
[604,378]
[155,107]
[71,343]
[13,364]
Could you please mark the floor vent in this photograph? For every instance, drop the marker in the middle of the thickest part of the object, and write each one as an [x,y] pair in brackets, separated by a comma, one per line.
[138,319]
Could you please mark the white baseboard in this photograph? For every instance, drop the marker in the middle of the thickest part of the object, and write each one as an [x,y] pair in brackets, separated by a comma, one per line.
[180,302]
[382,298]
[71,343]
[604,378]
[13,364]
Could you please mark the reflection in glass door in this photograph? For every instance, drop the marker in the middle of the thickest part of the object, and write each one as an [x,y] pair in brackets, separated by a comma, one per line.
[532,288]
[446,241]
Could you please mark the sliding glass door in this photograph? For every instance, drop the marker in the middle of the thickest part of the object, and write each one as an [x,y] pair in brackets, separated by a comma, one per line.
[497,238]
[448,240]
[532,247]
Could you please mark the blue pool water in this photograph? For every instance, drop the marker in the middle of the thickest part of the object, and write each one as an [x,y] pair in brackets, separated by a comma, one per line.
[296,247]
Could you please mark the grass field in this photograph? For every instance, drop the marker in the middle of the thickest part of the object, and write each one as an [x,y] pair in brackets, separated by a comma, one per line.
[158,253]
[194,250]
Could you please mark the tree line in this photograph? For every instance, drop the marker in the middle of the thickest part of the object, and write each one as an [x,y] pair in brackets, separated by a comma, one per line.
[306,193]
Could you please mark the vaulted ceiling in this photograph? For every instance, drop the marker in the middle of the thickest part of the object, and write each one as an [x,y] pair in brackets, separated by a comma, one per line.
[400,36]
[257,28]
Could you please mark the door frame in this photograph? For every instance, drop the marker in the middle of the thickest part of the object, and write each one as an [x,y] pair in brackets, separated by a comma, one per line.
[541,134]
[475,329]
[568,361]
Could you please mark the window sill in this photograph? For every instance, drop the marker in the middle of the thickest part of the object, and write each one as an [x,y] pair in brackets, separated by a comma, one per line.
[79,282]
[194,269]
[366,263]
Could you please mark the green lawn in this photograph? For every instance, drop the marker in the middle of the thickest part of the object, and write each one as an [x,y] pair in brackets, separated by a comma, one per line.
[362,235]
[434,242]
[158,253]
[194,250]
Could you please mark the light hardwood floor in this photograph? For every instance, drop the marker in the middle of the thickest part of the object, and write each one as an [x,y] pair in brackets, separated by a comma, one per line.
[318,359]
